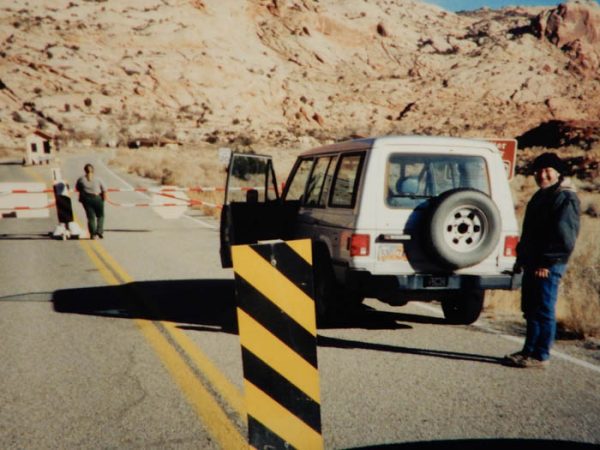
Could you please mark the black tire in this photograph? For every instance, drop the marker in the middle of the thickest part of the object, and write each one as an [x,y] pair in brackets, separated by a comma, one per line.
[463,308]
[351,298]
[325,285]
[225,237]
[463,228]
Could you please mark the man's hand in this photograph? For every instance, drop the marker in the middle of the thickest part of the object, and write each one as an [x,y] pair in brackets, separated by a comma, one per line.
[542,272]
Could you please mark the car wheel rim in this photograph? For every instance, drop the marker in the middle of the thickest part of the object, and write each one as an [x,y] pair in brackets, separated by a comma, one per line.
[465,229]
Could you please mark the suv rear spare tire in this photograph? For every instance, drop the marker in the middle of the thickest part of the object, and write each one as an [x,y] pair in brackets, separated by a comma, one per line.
[463,228]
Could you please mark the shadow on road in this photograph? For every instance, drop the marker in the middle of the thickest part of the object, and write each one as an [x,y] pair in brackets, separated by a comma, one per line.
[325,341]
[366,317]
[24,236]
[369,318]
[488,444]
[202,305]
[125,230]
[202,302]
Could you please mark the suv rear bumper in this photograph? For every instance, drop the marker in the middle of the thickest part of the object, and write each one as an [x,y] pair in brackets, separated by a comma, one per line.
[384,285]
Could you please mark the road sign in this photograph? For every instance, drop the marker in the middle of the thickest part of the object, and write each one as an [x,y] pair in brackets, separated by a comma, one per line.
[508,149]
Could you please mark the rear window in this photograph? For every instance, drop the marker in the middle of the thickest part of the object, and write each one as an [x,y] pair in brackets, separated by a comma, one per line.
[413,178]
[320,178]
[345,184]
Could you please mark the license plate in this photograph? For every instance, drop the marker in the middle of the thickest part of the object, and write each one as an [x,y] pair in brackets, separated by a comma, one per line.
[436,282]
[391,252]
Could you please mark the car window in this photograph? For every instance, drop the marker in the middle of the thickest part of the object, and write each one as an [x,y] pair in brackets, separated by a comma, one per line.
[250,179]
[297,182]
[412,178]
[345,184]
[317,190]
[327,185]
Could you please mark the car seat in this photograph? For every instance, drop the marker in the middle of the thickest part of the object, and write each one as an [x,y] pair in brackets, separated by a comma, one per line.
[407,185]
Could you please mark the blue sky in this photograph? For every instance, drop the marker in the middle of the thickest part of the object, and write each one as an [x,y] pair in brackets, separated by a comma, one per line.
[460,5]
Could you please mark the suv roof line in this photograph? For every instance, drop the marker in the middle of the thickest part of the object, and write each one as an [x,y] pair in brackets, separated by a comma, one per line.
[351,145]
[362,144]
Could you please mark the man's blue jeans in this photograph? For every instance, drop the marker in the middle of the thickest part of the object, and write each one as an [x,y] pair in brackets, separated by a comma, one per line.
[538,302]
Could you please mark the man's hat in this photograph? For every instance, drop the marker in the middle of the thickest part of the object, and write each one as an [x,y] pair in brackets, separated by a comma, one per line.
[549,160]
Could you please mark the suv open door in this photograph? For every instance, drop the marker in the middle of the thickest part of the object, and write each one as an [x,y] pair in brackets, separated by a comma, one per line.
[252,209]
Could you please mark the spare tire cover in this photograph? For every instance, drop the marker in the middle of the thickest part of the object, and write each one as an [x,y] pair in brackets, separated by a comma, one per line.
[463,228]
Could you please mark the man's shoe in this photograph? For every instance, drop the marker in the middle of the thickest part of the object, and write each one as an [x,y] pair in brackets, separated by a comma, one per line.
[95,237]
[515,358]
[100,235]
[532,363]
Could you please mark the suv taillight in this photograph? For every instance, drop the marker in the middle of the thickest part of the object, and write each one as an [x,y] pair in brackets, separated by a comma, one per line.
[359,245]
[510,245]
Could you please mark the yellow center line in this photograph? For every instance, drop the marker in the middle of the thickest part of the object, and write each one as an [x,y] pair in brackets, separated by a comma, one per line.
[227,390]
[108,276]
[208,409]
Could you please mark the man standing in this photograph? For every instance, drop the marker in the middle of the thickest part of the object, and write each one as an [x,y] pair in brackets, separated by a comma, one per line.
[550,229]
[91,195]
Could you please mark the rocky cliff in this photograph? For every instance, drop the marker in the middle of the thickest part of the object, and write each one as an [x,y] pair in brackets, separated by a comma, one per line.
[241,72]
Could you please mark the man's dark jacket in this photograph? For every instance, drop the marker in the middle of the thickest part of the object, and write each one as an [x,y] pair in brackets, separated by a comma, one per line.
[550,228]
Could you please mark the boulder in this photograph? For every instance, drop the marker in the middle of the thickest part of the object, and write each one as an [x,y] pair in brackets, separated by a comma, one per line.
[575,28]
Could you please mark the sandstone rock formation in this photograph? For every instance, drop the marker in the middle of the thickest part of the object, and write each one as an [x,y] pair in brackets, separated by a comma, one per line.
[283,72]
[575,28]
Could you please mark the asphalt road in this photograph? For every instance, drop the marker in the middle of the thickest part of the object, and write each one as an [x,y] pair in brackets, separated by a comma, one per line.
[130,342]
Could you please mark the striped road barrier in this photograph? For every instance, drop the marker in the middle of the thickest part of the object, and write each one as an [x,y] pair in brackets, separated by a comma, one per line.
[151,190]
[277,328]
[24,200]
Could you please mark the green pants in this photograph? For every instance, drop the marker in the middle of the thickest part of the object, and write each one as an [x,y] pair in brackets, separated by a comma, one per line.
[94,210]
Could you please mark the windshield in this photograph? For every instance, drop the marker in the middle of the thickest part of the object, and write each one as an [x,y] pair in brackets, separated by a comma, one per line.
[413,178]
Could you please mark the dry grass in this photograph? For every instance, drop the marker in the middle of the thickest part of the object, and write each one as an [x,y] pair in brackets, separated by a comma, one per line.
[182,167]
[193,167]
[11,153]
[578,308]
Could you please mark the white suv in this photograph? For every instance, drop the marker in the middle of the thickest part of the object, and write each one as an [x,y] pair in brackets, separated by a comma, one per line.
[394,218]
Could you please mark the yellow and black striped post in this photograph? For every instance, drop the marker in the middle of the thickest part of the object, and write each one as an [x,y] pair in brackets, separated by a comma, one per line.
[278,335]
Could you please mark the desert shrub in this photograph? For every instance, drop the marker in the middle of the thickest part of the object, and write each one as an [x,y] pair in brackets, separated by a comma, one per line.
[187,167]
[194,166]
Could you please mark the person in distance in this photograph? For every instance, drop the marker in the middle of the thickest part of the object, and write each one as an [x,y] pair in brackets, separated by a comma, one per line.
[92,194]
